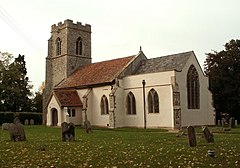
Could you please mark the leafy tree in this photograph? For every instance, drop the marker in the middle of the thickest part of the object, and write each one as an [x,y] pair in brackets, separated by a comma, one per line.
[37,102]
[223,69]
[14,84]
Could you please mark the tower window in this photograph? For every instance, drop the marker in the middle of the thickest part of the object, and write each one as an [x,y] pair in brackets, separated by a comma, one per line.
[131,103]
[79,46]
[58,46]
[193,88]
[153,102]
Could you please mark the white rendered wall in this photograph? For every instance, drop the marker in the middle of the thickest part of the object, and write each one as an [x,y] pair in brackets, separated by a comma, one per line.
[93,109]
[204,115]
[161,82]
[77,120]
[53,104]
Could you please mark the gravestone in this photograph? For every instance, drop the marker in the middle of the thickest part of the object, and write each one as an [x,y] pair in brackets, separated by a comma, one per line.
[5,126]
[32,122]
[87,126]
[68,131]
[191,136]
[224,122]
[16,131]
[231,122]
[207,134]
[26,122]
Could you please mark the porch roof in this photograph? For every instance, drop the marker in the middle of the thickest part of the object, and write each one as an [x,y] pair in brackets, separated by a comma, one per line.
[68,98]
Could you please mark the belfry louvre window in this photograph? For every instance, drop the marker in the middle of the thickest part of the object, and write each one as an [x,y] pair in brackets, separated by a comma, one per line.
[104,105]
[153,101]
[131,103]
[193,95]
[79,46]
[58,46]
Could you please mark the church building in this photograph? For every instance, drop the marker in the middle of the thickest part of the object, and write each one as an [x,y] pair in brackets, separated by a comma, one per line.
[133,91]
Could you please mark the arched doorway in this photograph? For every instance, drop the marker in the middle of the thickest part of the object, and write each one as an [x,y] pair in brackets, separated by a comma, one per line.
[54,117]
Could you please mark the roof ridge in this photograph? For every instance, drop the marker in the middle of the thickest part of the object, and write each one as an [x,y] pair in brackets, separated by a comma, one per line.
[171,55]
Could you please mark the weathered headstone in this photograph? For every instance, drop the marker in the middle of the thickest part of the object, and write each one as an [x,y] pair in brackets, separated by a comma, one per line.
[207,134]
[68,131]
[16,131]
[26,122]
[231,122]
[191,136]
[224,122]
[87,126]
[32,122]
[5,126]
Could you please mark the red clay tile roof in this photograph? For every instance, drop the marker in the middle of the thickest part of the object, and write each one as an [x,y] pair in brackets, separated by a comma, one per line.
[68,98]
[96,73]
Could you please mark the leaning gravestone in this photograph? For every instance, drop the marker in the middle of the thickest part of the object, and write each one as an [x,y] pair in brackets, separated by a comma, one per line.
[207,134]
[68,131]
[191,136]
[87,125]
[16,131]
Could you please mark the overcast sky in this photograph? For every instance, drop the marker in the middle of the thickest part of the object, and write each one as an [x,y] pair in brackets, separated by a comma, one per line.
[119,27]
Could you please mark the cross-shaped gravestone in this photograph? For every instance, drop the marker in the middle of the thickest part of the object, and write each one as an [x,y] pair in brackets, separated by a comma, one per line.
[207,134]
[191,136]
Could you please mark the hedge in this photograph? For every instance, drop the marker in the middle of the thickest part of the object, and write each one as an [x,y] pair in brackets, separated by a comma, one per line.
[7,117]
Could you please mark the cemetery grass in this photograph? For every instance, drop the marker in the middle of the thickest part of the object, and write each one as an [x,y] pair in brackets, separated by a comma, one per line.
[125,147]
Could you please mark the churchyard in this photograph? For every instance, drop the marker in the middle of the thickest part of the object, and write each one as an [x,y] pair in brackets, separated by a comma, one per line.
[125,147]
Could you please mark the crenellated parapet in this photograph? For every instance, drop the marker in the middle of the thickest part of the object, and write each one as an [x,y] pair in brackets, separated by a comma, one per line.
[69,24]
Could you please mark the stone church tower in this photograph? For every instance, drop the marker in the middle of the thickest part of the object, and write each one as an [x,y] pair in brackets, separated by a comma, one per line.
[69,48]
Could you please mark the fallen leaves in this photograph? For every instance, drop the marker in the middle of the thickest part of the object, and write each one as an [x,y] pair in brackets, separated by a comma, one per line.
[106,148]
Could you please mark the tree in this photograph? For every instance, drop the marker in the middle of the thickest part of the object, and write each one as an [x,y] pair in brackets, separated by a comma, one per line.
[223,69]
[38,100]
[14,84]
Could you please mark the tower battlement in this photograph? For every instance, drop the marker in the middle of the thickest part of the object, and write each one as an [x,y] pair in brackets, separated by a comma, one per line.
[69,24]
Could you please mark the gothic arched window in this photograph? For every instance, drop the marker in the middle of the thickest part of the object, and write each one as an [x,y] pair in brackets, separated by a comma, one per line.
[79,46]
[131,103]
[193,94]
[58,46]
[104,105]
[153,101]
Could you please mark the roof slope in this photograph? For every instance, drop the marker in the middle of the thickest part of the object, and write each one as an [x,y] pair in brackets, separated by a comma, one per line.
[68,98]
[165,63]
[96,73]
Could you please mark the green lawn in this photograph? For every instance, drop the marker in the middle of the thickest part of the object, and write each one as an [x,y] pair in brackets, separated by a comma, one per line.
[118,148]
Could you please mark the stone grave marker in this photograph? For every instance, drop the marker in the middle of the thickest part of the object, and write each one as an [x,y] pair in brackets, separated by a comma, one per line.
[26,122]
[231,122]
[224,123]
[16,131]
[32,122]
[87,126]
[68,131]
[5,126]
[191,136]
[207,134]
